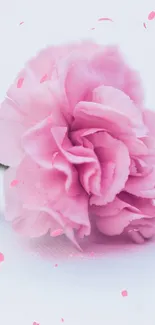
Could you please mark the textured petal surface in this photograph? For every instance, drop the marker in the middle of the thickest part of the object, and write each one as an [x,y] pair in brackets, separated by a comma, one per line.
[111,153]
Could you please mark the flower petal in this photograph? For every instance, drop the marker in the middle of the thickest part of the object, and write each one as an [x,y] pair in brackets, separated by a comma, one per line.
[45,204]
[113,208]
[115,225]
[11,152]
[39,143]
[117,101]
[76,154]
[111,153]
[95,115]
[142,186]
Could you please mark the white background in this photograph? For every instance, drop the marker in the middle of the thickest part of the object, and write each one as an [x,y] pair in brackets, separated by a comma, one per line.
[85,289]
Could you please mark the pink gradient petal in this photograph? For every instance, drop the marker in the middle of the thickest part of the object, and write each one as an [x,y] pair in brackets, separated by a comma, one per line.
[96,115]
[1,257]
[77,154]
[113,208]
[142,186]
[111,153]
[50,197]
[13,205]
[115,100]
[11,151]
[115,225]
[151,15]
[39,143]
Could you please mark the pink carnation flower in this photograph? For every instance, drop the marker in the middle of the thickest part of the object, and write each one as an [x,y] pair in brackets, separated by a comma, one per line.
[80,145]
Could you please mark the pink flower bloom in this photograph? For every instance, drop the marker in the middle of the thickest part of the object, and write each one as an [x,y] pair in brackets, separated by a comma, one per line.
[81,146]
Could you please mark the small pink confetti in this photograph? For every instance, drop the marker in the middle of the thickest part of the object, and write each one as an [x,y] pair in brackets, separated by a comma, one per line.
[92,254]
[92,28]
[1,258]
[151,15]
[105,19]
[35,323]
[14,183]
[20,82]
[62,320]
[124,293]
[21,23]
[144,24]
[57,232]
[56,265]
[44,78]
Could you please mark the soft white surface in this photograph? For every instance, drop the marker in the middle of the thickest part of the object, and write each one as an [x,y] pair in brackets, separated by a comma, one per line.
[88,290]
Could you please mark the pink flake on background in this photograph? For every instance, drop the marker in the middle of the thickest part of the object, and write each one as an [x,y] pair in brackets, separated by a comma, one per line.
[144,24]
[35,323]
[56,265]
[57,232]
[124,293]
[44,78]
[105,18]
[20,82]
[1,257]
[92,28]
[92,254]
[62,320]
[21,23]
[14,183]
[151,15]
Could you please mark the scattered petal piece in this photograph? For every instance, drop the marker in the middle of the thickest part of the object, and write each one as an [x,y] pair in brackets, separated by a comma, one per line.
[151,15]
[44,78]
[56,265]
[57,232]
[20,82]
[144,24]
[14,183]
[62,320]
[1,258]
[35,323]
[92,28]
[124,293]
[21,23]
[105,18]
[92,254]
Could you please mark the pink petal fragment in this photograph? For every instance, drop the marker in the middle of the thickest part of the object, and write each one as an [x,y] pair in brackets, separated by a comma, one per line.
[92,28]
[56,265]
[105,19]
[151,15]
[124,293]
[21,23]
[144,24]
[62,320]
[57,232]
[1,257]
[44,78]
[20,82]
[14,183]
